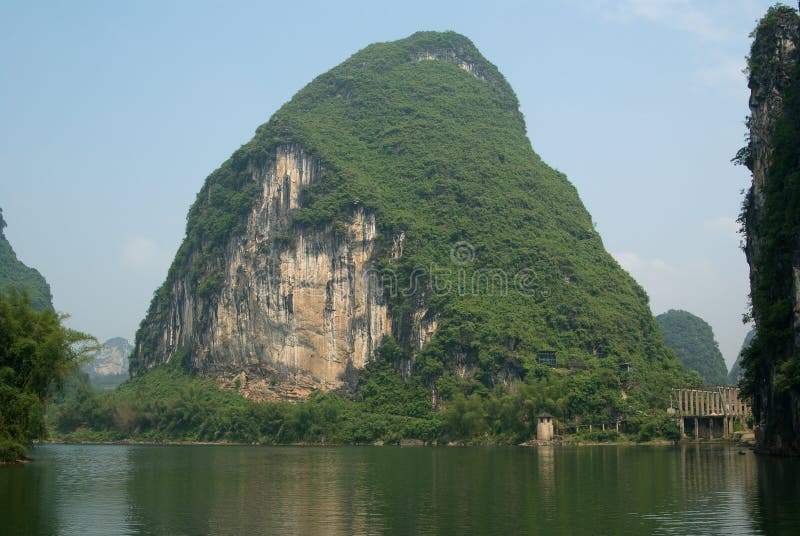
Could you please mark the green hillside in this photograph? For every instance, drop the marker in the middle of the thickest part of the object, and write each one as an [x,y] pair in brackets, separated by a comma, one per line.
[21,277]
[440,154]
[427,135]
[693,341]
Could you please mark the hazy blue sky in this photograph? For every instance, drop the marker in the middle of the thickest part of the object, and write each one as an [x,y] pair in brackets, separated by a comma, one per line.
[112,115]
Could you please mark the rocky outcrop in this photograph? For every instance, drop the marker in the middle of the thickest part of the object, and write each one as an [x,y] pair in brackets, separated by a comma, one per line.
[109,365]
[450,56]
[111,359]
[773,255]
[297,307]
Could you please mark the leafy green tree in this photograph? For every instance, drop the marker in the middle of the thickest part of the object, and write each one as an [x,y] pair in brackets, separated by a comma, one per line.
[37,354]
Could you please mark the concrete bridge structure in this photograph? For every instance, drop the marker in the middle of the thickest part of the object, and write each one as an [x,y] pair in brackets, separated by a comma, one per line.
[708,412]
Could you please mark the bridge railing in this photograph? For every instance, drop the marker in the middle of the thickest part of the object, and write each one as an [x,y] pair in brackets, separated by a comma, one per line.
[712,401]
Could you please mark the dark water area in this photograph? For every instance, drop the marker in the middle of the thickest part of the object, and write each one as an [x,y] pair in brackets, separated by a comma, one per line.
[121,489]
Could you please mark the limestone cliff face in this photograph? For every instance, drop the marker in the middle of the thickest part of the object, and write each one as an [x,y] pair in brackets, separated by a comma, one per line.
[768,83]
[773,282]
[296,308]
[111,359]
[766,103]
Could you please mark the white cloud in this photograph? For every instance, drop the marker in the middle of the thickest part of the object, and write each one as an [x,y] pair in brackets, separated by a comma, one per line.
[716,23]
[724,226]
[696,18]
[140,253]
[669,283]
[697,286]
[635,264]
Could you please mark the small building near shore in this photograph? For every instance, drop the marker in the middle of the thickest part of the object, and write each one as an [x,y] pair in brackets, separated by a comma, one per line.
[544,428]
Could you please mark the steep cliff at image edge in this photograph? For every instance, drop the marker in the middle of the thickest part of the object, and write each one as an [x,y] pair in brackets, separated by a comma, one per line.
[771,222]
[21,277]
[397,197]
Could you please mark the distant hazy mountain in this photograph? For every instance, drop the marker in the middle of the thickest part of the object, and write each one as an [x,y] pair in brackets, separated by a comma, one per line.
[109,366]
[693,341]
[736,369]
[15,273]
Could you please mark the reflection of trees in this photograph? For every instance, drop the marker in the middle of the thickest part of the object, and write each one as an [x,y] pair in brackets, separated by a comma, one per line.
[27,498]
[67,490]
[715,486]
[776,503]
[250,490]
[363,490]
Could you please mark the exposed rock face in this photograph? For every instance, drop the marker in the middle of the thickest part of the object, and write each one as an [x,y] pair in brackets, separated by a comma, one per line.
[768,83]
[302,306]
[111,359]
[766,104]
[774,277]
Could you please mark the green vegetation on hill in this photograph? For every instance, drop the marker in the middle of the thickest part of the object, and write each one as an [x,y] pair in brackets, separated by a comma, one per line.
[693,341]
[169,404]
[777,226]
[15,274]
[440,154]
[36,355]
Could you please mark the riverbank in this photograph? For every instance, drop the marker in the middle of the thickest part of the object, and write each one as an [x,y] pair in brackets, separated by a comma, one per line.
[566,442]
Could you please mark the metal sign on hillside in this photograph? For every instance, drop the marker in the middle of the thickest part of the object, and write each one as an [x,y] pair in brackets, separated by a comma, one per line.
[547,358]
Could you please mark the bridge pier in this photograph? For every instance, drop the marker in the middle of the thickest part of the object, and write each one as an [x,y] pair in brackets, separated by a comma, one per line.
[713,411]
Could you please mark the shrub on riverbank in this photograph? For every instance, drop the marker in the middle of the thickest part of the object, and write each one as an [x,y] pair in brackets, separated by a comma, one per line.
[168,404]
[36,354]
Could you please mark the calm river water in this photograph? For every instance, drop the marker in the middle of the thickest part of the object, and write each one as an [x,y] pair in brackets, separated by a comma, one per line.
[193,490]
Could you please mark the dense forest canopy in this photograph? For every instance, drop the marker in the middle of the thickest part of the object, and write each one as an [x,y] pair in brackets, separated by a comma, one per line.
[693,341]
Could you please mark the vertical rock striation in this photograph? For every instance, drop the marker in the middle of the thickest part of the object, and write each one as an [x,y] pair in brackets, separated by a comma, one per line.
[771,219]
[298,305]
